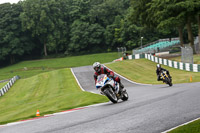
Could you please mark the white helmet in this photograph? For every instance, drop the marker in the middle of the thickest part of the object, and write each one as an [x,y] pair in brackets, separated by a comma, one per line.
[97,67]
[158,66]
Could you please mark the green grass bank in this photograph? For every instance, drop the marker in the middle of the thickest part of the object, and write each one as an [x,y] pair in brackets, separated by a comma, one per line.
[3,84]
[193,127]
[144,71]
[27,69]
[49,92]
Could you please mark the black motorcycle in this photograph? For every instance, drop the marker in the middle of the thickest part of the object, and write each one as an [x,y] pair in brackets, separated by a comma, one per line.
[165,77]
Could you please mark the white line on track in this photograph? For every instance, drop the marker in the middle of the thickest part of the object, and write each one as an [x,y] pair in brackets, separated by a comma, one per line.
[54,114]
[180,125]
[80,84]
[59,113]
[77,80]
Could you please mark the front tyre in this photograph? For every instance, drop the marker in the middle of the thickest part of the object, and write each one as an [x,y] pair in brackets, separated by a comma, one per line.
[169,81]
[124,96]
[111,95]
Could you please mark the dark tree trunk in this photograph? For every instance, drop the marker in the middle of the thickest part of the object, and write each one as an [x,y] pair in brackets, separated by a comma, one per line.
[45,49]
[199,29]
[180,31]
[12,59]
[190,35]
[56,51]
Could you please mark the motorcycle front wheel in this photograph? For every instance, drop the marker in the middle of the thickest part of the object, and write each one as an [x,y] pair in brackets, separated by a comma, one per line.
[111,95]
[169,81]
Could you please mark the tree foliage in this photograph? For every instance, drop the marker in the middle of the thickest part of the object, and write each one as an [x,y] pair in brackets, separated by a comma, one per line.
[71,27]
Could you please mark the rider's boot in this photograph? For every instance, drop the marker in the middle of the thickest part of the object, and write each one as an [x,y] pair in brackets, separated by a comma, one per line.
[121,86]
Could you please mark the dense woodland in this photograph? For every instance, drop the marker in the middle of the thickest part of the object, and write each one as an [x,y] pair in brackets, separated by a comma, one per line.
[34,29]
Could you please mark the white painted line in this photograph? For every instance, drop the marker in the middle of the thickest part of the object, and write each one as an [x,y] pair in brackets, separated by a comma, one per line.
[49,115]
[80,84]
[180,125]
[77,80]
[128,79]
[93,92]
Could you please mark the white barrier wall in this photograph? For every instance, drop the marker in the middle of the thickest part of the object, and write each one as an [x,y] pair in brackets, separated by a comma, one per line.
[174,64]
[8,85]
[170,63]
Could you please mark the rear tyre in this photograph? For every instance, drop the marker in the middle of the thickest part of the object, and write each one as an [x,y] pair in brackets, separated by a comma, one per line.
[111,95]
[124,96]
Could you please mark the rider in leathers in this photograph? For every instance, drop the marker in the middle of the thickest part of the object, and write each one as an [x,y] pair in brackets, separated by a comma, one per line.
[159,70]
[99,69]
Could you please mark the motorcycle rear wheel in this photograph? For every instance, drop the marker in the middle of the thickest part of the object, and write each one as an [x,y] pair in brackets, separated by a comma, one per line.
[124,96]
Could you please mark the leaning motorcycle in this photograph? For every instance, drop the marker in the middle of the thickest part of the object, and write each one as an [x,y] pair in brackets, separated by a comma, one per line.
[110,88]
[166,78]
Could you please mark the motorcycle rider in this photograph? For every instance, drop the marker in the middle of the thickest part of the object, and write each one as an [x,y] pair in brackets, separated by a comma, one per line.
[99,69]
[159,70]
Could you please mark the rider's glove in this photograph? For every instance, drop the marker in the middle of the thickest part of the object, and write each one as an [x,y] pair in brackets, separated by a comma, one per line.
[110,76]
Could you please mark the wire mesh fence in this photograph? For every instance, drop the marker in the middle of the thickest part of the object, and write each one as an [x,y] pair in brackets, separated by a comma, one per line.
[196,45]
[121,51]
[187,54]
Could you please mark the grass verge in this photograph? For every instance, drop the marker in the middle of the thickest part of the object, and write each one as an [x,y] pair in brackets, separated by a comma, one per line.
[144,71]
[27,69]
[3,84]
[49,92]
[193,127]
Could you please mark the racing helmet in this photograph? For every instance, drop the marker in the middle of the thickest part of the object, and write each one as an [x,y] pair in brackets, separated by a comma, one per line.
[97,67]
[158,66]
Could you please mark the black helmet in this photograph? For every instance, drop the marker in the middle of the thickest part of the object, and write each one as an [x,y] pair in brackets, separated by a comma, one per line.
[97,67]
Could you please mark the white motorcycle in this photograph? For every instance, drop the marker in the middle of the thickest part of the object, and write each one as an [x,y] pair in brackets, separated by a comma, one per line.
[110,88]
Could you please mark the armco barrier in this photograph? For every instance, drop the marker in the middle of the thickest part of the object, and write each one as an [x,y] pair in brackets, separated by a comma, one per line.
[166,62]
[8,85]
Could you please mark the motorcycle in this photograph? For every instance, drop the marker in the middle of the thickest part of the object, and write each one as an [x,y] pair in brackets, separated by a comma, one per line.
[110,88]
[166,78]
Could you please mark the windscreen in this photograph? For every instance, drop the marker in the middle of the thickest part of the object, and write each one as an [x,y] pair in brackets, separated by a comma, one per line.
[100,78]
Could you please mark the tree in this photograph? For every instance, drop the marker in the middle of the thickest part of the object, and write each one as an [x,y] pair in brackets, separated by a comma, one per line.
[13,41]
[85,37]
[37,18]
[105,12]
[169,13]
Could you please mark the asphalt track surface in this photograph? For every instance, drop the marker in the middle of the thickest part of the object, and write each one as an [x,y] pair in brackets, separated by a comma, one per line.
[150,109]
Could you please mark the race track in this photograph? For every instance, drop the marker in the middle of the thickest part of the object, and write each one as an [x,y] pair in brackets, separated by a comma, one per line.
[150,109]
